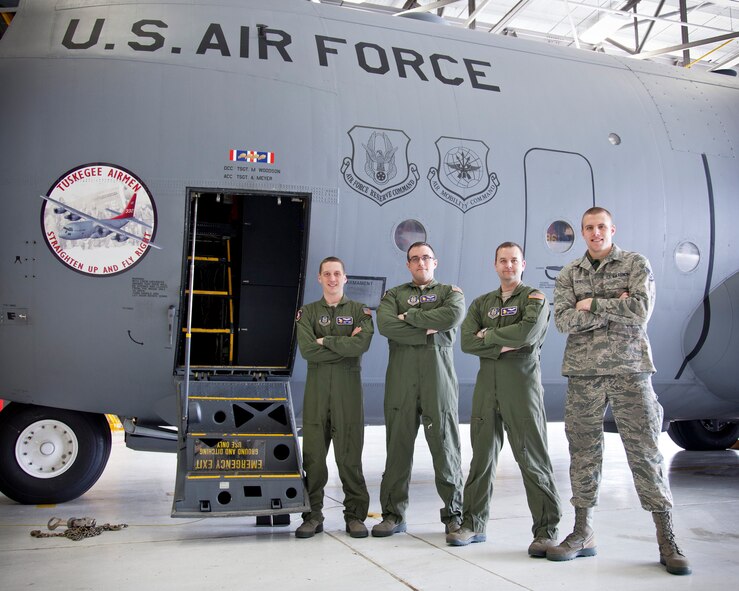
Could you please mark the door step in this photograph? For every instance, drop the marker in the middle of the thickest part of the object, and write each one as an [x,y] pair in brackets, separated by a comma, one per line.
[238,451]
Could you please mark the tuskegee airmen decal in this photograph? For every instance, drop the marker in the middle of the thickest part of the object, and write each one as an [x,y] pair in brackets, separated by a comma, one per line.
[99,219]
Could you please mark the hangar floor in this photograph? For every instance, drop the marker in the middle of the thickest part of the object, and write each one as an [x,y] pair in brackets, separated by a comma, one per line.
[158,552]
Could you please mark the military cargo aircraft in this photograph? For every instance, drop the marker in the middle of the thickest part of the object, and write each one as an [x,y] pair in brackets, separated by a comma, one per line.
[93,227]
[260,137]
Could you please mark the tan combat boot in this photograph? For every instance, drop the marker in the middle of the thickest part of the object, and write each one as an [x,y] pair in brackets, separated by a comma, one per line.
[670,554]
[581,542]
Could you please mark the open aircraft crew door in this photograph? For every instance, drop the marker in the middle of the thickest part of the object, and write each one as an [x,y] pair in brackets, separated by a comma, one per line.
[250,254]
[243,277]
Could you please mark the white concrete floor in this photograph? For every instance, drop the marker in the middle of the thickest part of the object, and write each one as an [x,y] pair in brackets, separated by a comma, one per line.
[158,552]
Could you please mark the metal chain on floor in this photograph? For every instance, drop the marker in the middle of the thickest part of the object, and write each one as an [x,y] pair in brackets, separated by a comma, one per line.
[78,528]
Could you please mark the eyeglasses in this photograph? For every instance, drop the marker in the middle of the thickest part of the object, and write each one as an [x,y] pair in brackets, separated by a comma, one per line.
[425,258]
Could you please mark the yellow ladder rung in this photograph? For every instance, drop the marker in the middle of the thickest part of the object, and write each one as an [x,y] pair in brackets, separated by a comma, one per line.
[208,259]
[207,292]
[209,330]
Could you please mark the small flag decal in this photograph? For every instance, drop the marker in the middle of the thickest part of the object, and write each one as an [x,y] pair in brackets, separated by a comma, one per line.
[252,156]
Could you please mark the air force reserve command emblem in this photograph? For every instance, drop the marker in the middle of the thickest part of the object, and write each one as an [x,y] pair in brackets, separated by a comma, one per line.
[378,167]
[462,177]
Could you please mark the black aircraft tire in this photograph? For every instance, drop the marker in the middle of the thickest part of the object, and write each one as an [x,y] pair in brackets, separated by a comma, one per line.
[69,449]
[704,435]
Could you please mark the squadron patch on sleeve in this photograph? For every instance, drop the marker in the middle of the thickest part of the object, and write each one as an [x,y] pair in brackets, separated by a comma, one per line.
[344,320]
[457,289]
[299,315]
[510,311]
[367,311]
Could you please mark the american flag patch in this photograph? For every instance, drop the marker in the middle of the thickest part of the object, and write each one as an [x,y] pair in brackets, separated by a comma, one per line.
[535,295]
[253,156]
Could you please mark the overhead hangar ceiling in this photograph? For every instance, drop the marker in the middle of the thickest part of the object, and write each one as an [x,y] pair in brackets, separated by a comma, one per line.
[685,33]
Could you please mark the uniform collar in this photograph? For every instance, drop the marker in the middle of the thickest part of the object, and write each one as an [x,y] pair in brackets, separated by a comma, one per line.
[432,283]
[325,304]
[615,255]
[519,287]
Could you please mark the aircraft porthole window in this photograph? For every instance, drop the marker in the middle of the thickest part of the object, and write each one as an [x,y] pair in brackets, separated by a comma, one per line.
[560,236]
[407,232]
[614,138]
[687,256]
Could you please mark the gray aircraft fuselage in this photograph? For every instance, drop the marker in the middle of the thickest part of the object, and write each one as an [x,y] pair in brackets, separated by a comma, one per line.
[382,130]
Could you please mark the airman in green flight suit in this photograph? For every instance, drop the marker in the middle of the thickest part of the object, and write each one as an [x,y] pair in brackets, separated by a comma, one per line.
[420,321]
[333,333]
[506,329]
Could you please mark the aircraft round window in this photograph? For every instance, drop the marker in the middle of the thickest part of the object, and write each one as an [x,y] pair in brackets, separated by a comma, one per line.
[687,256]
[407,232]
[614,138]
[560,236]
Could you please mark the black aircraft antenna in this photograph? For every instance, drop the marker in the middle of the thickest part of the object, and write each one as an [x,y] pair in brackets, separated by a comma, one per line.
[709,274]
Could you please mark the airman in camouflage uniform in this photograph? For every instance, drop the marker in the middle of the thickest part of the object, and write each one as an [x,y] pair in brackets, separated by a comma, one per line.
[506,329]
[420,321]
[603,301]
[333,333]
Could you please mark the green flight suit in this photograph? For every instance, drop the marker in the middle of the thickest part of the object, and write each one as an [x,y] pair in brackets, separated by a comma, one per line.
[333,407]
[421,386]
[508,394]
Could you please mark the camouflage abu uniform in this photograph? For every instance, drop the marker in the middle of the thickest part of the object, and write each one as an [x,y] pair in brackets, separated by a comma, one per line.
[333,407]
[508,393]
[608,359]
[421,385]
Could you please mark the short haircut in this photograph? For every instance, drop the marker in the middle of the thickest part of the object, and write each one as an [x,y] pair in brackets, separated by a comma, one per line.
[508,245]
[416,245]
[595,211]
[331,260]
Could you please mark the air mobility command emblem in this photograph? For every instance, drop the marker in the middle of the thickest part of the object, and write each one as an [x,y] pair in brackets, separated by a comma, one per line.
[493,312]
[413,300]
[462,178]
[378,167]
[324,321]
